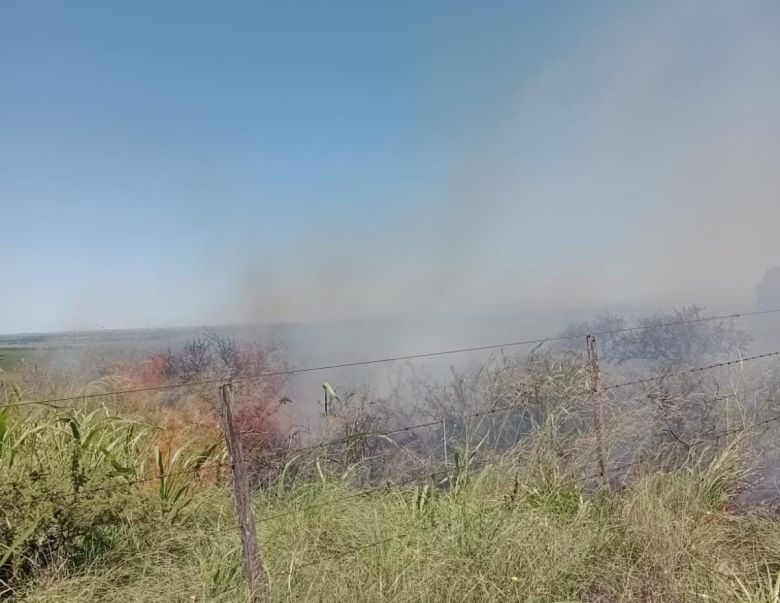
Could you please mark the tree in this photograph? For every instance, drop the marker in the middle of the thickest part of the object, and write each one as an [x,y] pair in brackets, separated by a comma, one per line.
[608,323]
[661,340]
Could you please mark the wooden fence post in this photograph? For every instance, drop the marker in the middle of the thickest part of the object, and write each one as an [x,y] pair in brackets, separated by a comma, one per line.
[253,568]
[595,394]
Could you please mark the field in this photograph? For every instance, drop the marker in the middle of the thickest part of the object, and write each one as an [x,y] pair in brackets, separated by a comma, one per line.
[520,527]
[12,357]
[484,487]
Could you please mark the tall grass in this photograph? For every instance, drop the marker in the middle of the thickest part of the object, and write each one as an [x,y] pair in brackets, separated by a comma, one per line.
[101,506]
[72,481]
[516,526]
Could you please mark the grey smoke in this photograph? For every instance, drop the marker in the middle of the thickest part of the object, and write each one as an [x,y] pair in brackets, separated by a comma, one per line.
[639,166]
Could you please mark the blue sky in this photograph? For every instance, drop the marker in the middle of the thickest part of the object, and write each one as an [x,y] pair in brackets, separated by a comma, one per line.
[171,163]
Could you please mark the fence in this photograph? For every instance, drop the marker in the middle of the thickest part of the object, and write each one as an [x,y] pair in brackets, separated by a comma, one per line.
[247,522]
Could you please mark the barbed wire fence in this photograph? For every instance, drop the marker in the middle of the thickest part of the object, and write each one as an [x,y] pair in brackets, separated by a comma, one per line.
[253,562]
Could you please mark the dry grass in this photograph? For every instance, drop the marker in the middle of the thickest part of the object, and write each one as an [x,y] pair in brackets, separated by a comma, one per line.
[521,516]
[521,527]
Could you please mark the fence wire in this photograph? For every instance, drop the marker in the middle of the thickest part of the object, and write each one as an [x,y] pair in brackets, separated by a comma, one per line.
[294,371]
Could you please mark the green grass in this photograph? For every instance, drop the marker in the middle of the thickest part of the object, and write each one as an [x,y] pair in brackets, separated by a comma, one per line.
[520,528]
[653,543]
[76,525]
[12,357]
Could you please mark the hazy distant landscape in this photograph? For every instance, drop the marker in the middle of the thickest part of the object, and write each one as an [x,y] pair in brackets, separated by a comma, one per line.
[305,344]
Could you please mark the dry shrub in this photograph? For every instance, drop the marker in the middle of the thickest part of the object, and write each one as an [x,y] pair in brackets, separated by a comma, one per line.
[192,414]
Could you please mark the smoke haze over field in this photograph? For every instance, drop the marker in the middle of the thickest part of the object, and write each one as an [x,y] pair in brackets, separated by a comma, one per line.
[639,163]
[392,160]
